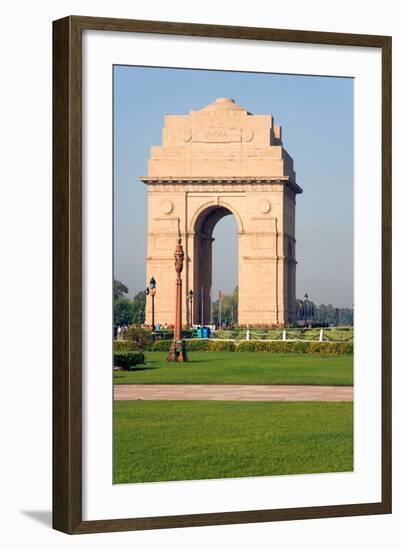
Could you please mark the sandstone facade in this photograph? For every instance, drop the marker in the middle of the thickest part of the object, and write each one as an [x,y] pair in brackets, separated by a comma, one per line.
[214,162]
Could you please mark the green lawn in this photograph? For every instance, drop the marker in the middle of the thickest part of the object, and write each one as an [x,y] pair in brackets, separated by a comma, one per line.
[242,368]
[177,440]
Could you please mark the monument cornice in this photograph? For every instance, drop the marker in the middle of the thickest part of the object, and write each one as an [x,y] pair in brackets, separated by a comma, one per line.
[207,181]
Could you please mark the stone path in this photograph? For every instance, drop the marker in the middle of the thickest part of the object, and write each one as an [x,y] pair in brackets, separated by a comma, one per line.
[226,392]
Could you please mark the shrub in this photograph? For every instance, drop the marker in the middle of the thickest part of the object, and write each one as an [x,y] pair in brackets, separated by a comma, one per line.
[222,345]
[336,348]
[197,345]
[128,359]
[246,346]
[303,346]
[125,345]
[275,346]
[141,337]
[280,346]
[161,345]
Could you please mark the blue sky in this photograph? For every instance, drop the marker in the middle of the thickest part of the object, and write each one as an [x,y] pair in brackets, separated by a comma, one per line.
[316,114]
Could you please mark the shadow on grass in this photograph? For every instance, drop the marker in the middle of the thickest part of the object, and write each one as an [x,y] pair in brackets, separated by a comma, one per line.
[172,363]
[117,374]
[187,363]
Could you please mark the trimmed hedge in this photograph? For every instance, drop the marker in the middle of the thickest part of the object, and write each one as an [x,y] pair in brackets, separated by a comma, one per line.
[125,345]
[161,345]
[215,345]
[276,346]
[196,345]
[210,345]
[334,348]
[128,359]
[325,348]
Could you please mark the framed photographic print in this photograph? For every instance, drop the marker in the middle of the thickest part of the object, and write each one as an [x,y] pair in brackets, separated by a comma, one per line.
[222,275]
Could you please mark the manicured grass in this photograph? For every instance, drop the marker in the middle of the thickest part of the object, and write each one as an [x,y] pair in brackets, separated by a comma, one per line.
[242,368]
[177,440]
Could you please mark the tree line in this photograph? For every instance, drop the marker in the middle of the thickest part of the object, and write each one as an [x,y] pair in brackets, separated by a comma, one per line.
[127,311]
[328,315]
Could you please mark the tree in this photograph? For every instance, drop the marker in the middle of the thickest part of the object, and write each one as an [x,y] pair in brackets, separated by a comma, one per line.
[126,311]
[138,308]
[122,310]
[328,315]
[119,290]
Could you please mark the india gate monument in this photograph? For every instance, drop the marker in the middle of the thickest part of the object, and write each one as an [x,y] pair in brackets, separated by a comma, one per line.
[218,161]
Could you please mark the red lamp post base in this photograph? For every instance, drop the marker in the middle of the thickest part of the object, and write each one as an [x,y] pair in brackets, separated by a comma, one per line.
[178,352]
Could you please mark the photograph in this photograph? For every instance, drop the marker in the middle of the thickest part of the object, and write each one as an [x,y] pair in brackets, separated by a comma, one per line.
[233,298]
[201,220]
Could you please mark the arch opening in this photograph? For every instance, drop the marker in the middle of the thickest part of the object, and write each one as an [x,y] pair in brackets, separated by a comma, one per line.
[205,260]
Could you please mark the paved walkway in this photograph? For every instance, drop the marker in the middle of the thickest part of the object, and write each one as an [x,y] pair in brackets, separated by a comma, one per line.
[226,392]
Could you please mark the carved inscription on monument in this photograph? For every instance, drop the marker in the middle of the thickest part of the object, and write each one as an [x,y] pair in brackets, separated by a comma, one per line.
[221,135]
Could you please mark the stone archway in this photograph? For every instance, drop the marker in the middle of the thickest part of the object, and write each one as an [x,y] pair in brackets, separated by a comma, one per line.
[218,161]
[203,259]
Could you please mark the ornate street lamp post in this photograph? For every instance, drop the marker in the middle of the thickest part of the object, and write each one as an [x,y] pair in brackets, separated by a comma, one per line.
[177,349]
[306,309]
[152,291]
[190,299]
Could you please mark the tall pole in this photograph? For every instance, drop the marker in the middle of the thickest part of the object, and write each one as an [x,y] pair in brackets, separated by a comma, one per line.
[177,350]
[211,307]
[151,289]
[178,308]
[220,308]
[202,305]
[190,298]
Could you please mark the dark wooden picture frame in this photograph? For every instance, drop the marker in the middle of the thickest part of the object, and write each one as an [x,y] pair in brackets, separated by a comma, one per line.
[67,274]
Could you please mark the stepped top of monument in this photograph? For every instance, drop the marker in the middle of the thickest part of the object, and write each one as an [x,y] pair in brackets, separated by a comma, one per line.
[221,104]
[221,140]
